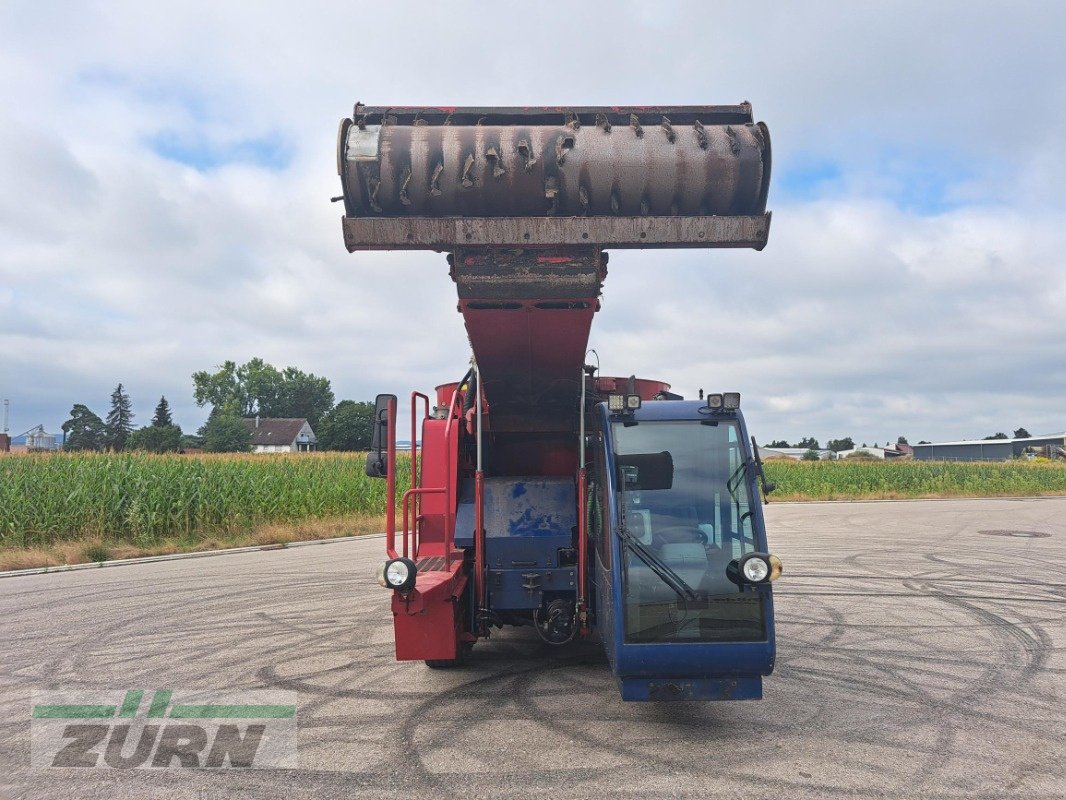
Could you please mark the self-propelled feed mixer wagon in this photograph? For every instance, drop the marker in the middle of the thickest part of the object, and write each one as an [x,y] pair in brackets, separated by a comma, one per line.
[543,493]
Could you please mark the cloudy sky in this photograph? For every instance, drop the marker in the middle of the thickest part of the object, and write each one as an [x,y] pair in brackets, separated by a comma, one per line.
[165,175]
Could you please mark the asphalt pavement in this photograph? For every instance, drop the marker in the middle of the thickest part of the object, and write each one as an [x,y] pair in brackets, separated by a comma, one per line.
[920,654]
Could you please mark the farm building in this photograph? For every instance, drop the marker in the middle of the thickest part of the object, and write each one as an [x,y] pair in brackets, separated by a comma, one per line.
[795,453]
[281,435]
[885,453]
[1052,445]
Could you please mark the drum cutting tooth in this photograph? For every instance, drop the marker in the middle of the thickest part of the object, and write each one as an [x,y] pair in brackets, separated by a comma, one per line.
[701,135]
[434,181]
[563,145]
[467,180]
[734,145]
[572,121]
[405,180]
[634,123]
[668,129]
[551,191]
[603,122]
[493,156]
[526,152]
[373,185]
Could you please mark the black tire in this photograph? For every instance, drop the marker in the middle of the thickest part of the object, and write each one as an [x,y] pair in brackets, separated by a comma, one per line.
[450,663]
[443,663]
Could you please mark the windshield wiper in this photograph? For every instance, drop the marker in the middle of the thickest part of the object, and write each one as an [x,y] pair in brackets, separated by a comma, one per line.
[667,575]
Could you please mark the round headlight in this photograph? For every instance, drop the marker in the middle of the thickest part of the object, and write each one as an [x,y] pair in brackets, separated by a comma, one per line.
[756,569]
[399,574]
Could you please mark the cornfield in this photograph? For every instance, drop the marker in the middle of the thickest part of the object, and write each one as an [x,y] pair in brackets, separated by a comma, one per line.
[139,498]
[850,479]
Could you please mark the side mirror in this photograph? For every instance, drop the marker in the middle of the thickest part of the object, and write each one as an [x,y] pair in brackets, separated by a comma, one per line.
[377,459]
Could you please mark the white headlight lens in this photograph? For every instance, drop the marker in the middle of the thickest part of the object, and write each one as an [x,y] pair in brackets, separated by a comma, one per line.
[714,401]
[756,570]
[616,402]
[396,573]
[731,401]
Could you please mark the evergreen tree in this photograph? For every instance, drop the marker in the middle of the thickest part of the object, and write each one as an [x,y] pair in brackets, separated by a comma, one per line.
[84,430]
[119,422]
[778,443]
[809,443]
[162,416]
[1022,433]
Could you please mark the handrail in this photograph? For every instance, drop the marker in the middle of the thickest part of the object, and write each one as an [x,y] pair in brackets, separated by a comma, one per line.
[405,505]
[416,479]
[416,491]
[449,503]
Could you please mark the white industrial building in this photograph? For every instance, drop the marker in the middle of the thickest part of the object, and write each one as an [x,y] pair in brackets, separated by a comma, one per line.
[1053,446]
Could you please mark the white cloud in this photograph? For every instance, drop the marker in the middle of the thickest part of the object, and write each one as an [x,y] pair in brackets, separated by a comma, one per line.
[918,289]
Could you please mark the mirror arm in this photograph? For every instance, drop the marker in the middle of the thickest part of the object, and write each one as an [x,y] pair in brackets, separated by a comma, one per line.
[766,486]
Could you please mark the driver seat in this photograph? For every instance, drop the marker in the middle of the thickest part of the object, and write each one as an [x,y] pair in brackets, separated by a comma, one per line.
[687,559]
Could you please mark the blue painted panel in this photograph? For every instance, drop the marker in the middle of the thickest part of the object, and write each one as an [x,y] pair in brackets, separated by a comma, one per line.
[509,588]
[525,551]
[536,506]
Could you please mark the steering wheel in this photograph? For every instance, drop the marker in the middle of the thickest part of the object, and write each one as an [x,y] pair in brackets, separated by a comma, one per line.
[677,534]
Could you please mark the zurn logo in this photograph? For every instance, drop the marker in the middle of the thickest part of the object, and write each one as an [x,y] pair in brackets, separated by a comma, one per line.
[131,729]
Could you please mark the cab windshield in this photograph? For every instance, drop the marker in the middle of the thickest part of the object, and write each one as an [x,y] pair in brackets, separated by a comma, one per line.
[685,507]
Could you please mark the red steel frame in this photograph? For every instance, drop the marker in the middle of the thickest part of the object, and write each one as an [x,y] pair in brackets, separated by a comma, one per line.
[410,499]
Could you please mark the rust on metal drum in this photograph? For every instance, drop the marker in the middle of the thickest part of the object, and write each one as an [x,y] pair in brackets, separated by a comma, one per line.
[688,161]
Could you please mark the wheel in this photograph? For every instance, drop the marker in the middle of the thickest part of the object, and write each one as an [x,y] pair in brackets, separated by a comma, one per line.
[450,663]
[443,663]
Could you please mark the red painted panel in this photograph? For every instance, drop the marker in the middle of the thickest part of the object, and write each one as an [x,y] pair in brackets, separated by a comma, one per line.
[427,623]
[647,389]
[438,469]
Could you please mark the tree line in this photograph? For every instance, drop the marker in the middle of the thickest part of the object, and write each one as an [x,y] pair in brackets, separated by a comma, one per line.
[233,392]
